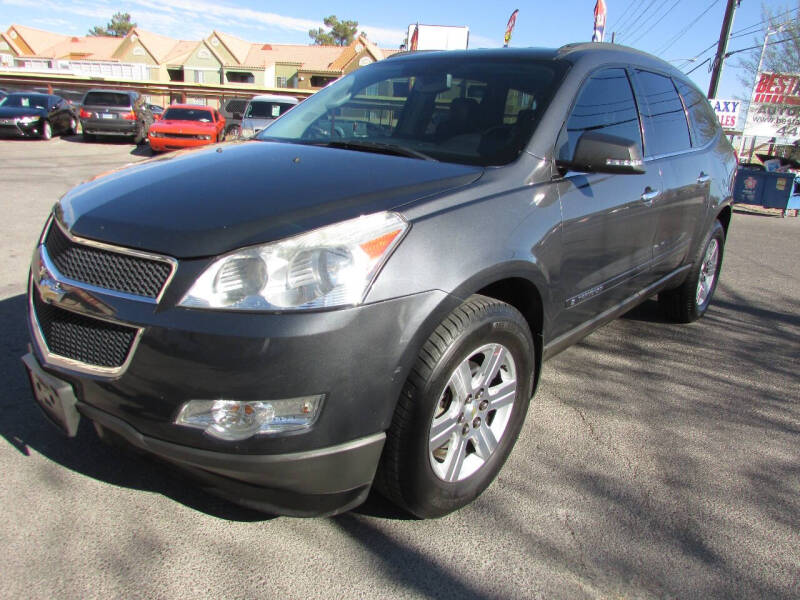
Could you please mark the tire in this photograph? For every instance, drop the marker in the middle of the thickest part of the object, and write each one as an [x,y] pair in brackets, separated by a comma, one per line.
[690,301]
[47,131]
[233,132]
[73,126]
[438,455]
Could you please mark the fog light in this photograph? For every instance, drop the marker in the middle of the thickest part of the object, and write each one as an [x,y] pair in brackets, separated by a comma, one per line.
[235,420]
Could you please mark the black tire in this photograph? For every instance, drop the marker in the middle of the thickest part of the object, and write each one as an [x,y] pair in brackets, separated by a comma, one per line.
[47,130]
[406,473]
[88,137]
[684,304]
[233,132]
[72,128]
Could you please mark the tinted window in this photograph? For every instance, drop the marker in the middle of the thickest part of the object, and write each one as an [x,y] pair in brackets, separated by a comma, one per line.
[704,121]
[663,119]
[605,104]
[469,109]
[266,110]
[107,99]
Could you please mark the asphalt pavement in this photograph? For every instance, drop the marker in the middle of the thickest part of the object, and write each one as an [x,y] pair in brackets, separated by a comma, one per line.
[657,461]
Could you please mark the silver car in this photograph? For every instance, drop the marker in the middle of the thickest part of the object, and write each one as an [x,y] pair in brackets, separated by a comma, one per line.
[262,110]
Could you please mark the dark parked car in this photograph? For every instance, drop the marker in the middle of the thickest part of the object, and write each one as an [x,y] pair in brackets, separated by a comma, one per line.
[233,110]
[36,115]
[116,113]
[365,293]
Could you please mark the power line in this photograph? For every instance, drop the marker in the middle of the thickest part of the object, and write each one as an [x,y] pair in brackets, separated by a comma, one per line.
[669,10]
[633,15]
[683,31]
[636,20]
[624,13]
[732,52]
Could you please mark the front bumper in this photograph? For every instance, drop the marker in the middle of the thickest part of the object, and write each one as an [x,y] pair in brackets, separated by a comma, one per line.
[163,144]
[19,130]
[358,358]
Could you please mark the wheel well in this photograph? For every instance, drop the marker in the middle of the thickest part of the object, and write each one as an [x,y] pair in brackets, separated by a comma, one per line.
[522,295]
[724,217]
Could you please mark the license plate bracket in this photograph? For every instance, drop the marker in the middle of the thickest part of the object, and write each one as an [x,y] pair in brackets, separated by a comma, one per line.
[54,396]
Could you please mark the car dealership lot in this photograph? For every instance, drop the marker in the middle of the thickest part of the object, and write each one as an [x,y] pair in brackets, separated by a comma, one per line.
[657,460]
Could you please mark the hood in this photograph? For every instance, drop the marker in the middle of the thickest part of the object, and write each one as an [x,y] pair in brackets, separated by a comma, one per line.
[181,126]
[19,111]
[207,202]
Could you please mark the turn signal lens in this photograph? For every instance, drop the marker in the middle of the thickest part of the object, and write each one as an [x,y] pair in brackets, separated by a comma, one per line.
[235,420]
[131,116]
[85,114]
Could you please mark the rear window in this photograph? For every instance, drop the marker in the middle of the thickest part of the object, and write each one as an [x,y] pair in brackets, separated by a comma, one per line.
[107,99]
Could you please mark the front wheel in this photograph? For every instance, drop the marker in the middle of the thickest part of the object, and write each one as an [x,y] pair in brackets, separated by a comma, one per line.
[47,131]
[141,134]
[73,126]
[461,409]
[690,301]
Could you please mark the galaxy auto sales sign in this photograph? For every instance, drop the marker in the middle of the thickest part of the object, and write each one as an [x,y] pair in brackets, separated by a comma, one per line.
[727,112]
[775,108]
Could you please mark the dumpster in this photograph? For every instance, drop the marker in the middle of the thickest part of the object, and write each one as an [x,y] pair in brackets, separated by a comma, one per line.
[767,189]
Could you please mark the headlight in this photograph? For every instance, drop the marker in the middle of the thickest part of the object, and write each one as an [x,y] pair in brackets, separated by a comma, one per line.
[331,266]
[234,420]
[156,134]
[28,120]
[204,137]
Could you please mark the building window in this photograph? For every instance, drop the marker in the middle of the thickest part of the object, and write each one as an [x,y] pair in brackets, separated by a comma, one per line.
[281,82]
[240,77]
[198,77]
[175,74]
[321,81]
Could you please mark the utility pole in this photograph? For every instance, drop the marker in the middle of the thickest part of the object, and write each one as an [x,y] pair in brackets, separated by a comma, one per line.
[722,47]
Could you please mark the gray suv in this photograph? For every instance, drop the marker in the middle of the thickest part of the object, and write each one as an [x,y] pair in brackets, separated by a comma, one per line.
[364,294]
[115,113]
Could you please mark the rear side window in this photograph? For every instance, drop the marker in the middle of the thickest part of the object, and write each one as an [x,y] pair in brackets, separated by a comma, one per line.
[107,99]
[269,110]
[701,116]
[605,104]
[663,119]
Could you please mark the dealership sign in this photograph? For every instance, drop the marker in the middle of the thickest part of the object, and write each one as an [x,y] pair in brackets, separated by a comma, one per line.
[727,112]
[775,108]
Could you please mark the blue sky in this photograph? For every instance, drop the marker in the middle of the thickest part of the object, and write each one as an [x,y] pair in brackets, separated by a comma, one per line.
[687,28]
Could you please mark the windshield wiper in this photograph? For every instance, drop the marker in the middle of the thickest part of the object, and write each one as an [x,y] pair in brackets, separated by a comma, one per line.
[365,145]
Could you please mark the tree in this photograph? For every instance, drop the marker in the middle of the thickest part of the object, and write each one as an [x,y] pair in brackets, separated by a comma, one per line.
[341,33]
[782,54]
[119,26]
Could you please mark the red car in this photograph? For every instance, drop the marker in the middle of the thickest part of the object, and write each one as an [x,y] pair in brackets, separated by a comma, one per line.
[186,126]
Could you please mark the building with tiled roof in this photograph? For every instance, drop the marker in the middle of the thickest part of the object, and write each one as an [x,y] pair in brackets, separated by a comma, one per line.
[220,59]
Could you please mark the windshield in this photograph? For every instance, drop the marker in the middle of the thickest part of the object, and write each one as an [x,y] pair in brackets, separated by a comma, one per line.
[456,108]
[188,114]
[24,101]
[260,109]
[107,99]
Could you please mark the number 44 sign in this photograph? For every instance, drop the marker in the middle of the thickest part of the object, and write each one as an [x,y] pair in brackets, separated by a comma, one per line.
[727,112]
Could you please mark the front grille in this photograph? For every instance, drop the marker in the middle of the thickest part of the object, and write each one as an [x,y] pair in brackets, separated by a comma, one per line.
[104,268]
[81,338]
[188,136]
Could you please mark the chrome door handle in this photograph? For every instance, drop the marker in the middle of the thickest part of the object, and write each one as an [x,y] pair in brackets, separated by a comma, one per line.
[703,178]
[649,195]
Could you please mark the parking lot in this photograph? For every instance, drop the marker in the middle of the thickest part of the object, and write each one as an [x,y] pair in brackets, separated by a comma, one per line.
[657,461]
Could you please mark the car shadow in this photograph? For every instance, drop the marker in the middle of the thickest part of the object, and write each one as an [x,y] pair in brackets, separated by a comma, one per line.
[24,427]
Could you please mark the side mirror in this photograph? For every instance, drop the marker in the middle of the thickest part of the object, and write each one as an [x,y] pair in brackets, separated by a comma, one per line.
[603,153]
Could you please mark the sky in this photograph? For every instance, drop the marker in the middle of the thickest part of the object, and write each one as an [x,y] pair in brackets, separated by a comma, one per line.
[676,30]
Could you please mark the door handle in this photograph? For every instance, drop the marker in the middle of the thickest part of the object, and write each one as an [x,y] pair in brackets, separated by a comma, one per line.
[649,195]
[703,178]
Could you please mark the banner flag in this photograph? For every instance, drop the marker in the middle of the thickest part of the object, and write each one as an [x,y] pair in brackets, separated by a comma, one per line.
[414,39]
[599,20]
[512,20]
